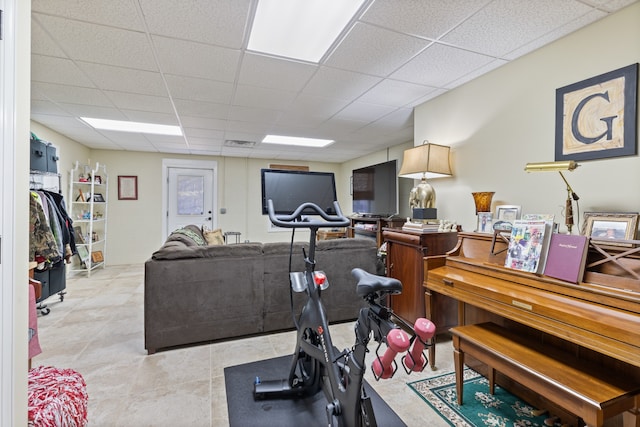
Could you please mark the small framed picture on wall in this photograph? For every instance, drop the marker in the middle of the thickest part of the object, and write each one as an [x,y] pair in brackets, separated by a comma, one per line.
[127,187]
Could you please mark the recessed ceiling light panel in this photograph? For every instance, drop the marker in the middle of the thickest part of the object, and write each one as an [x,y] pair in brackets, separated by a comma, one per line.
[297,141]
[134,127]
[300,29]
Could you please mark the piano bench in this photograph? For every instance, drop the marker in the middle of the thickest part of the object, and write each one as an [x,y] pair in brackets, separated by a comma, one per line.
[581,387]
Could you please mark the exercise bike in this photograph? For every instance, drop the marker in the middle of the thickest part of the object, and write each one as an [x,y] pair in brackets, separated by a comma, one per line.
[316,364]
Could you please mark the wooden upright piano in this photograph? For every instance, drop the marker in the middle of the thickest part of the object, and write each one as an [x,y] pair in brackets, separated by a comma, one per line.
[597,319]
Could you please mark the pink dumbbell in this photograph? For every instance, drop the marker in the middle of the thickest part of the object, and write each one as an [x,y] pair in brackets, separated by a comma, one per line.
[424,329]
[397,341]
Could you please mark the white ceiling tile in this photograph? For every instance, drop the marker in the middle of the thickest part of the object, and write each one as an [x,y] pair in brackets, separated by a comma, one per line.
[250,120]
[372,50]
[275,73]
[318,106]
[424,18]
[57,70]
[184,58]
[428,97]
[364,112]
[402,117]
[340,84]
[476,73]
[201,109]
[136,101]
[115,13]
[124,79]
[395,93]
[72,94]
[151,117]
[100,112]
[610,5]
[221,22]
[504,25]
[440,64]
[252,96]
[193,89]
[205,144]
[197,137]
[249,114]
[556,34]
[42,44]
[101,44]
[47,107]
[202,122]
[127,138]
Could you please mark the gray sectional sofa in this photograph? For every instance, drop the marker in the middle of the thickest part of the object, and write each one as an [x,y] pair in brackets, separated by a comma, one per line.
[196,293]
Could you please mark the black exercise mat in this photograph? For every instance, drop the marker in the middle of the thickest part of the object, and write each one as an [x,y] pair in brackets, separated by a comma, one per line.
[308,412]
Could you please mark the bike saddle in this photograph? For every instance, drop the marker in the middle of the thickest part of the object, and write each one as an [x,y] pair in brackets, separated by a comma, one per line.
[370,283]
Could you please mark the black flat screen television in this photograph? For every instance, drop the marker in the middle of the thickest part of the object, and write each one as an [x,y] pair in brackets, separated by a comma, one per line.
[375,190]
[289,189]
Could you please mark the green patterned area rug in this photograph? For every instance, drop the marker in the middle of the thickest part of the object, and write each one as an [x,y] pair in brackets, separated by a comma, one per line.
[479,408]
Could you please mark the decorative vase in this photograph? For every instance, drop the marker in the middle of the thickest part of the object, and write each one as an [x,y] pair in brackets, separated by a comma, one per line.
[483,200]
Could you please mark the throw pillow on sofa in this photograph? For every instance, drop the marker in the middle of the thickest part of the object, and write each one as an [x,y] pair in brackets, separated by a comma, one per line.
[213,237]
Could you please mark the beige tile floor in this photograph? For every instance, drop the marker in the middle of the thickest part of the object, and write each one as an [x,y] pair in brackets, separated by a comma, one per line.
[98,330]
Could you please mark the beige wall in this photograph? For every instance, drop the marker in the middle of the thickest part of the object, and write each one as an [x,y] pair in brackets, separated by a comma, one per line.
[502,120]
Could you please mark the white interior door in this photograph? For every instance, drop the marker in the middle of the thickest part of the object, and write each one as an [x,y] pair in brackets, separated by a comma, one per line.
[190,198]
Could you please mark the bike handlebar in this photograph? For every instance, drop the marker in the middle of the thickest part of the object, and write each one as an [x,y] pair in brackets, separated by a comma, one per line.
[295,219]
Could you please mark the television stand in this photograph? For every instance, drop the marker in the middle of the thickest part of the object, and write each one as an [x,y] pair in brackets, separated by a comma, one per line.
[371,227]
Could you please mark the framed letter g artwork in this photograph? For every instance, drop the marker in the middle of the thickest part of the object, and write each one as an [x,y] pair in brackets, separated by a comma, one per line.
[596,118]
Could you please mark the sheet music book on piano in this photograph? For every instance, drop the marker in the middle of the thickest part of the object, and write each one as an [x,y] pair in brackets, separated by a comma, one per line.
[528,245]
[567,257]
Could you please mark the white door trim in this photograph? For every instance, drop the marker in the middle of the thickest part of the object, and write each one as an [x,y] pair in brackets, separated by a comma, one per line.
[186,163]
[13,296]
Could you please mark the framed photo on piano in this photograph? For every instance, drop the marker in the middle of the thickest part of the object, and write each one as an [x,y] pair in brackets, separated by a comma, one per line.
[605,226]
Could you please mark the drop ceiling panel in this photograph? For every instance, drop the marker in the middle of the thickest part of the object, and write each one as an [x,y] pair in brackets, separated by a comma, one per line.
[440,64]
[50,69]
[205,61]
[424,18]
[364,112]
[556,34]
[42,44]
[504,25]
[72,94]
[101,44]
[116,13]
[198,133]
[260,97]
[275,73]
[135,101]
[220,23]
[84,110]
[192,89]
[340,84]
[151,117]
[203,123]
[373,50]
[201,109]
[395,93]
[124,79]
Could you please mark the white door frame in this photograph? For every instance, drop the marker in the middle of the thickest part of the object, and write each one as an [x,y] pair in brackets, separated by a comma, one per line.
[13,253]
[186,163]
